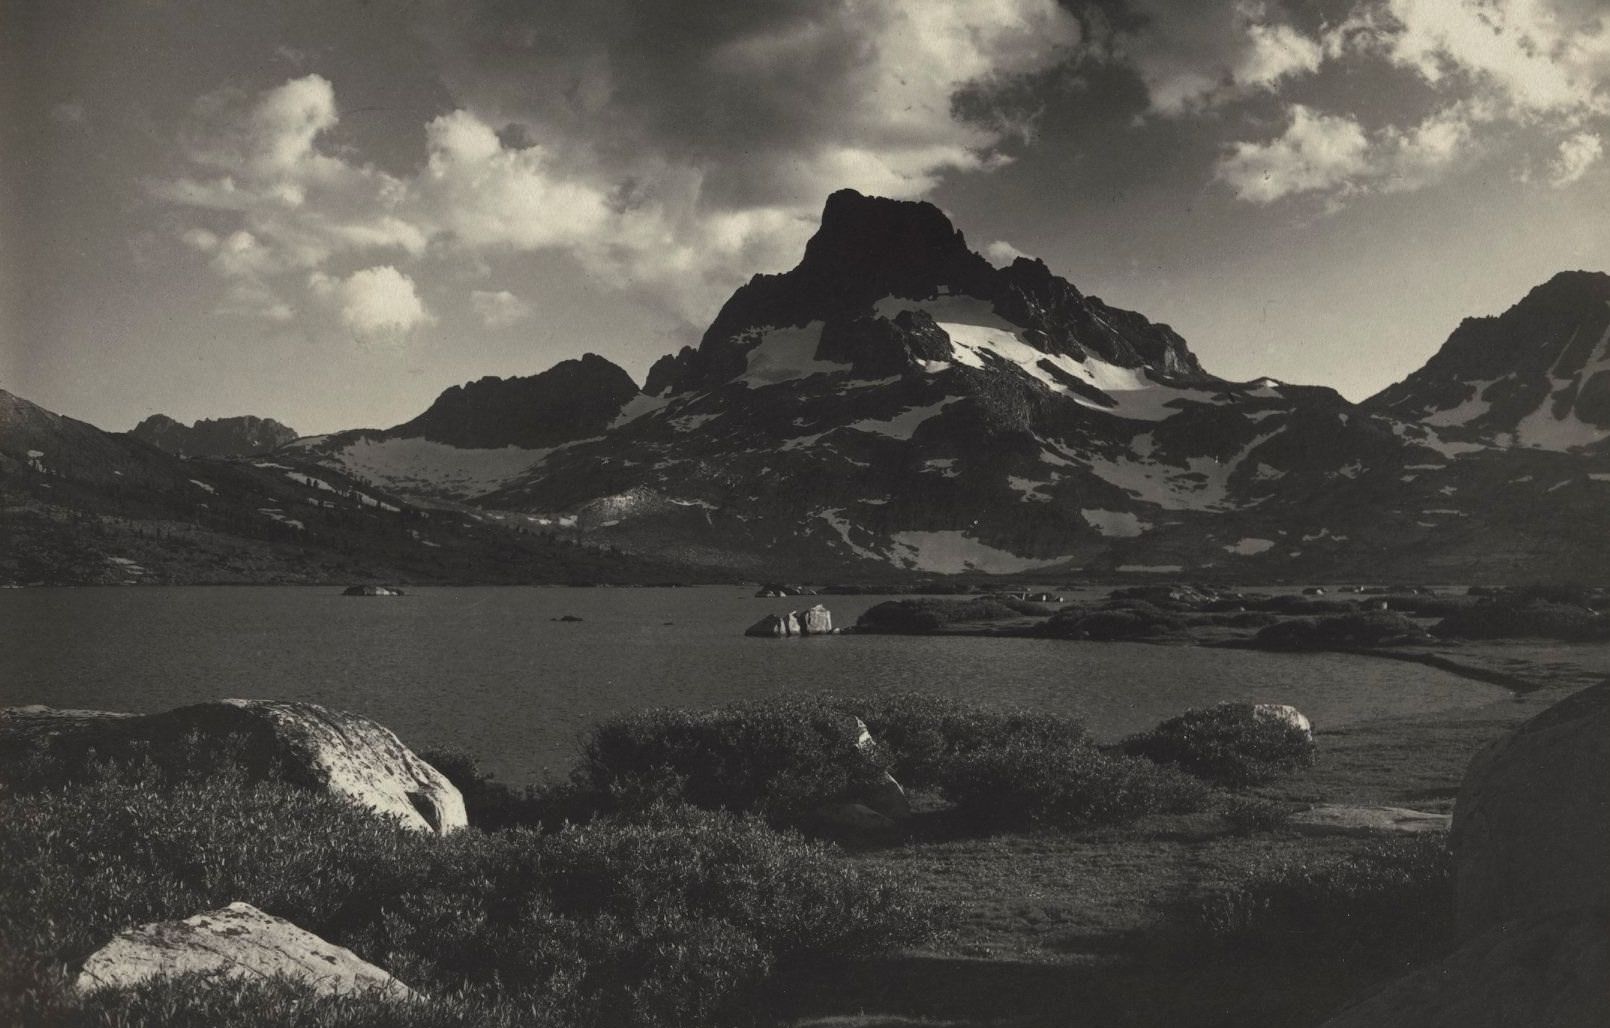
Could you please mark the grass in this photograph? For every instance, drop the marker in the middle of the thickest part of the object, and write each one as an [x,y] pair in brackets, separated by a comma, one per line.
[900,617]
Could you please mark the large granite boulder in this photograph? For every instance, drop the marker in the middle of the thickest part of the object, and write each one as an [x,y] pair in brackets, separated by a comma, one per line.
[1531,827]
[884,794]
[1548,972]
[1531,838]
[238,941]
[301,743]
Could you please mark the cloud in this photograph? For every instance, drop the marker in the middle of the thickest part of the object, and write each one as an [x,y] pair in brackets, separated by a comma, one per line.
[1316,152]
[375,304]
[1001,253]
[670,149]
[500,309]
[1193,56]
[1577,154]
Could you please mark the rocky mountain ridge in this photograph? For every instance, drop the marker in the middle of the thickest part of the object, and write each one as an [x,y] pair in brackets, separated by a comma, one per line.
[895,402]
[896,405]
[222,437]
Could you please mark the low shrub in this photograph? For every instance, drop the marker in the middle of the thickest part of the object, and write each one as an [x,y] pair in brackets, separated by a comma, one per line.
[1299,605]
[1137,619]
[1396,895]
[1363,629]
[779,759]
[1535,619]
[676,918]
[1225,745]
[927,736]
[1029,786]
[908,617]
[1233,619]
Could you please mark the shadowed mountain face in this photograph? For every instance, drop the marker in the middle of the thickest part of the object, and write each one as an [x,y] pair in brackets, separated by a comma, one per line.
[571,400]
[223,437]
[1536,376]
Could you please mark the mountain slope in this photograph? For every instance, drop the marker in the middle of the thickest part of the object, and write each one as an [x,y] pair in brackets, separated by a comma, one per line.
[83,506]
[1537,376]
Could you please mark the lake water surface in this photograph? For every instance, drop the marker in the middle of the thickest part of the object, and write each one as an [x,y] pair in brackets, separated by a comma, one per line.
[485,669]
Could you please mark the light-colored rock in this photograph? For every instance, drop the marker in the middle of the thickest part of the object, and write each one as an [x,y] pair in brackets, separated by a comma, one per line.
[1366,821]
[372,590]
[817,620]
[238,941]
[885,795]
[774,626]
[301,743]
[1551,972]
[1282,712]
[1531,827]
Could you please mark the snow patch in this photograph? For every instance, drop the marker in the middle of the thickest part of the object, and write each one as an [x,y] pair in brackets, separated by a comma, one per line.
[785,354]
[1465,412]
[1115,524]
[204,487]
[952,552]
[432,468]
[1151,569]
[1250,547]
[902,425]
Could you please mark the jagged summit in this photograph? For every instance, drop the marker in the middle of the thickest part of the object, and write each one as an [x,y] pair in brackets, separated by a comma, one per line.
[869,254]
[1536,376]
[242,436]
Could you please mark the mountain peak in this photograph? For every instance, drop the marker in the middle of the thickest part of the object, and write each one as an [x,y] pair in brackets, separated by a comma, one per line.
[240,436]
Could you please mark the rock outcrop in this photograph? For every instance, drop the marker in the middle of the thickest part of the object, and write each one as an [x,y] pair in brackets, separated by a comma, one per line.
[817,620]
[237,941]
[224,437]
[1366,821]
[1551,972]
[302,743]
[1531,837]
[1531,828]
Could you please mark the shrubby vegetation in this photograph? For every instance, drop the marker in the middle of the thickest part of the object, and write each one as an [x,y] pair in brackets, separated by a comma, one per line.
[1397,895]
[674,917]
[1364,629]
[1523,615]
[1003,769]
[1224,746]
[901,617]
[1126,619]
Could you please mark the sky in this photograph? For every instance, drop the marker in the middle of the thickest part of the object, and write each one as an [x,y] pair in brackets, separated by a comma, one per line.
[328,211]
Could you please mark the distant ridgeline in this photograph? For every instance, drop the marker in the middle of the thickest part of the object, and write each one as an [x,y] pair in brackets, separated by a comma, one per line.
[896,405]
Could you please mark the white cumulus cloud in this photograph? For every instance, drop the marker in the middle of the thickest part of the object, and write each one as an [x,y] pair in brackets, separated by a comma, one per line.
[375,304]
[498,309]
[1316,152]
[1577,154]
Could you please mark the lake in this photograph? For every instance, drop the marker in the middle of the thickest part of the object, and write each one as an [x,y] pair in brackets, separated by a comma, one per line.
[487,670]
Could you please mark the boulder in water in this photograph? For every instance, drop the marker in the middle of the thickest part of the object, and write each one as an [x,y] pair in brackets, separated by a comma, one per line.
[774,626]
[235,942]
[818,620]
[372,590]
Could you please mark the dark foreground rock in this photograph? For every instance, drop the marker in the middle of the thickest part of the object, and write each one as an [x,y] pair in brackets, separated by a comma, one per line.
[1532,822]
[1531,838]
[236,942]
[301,743]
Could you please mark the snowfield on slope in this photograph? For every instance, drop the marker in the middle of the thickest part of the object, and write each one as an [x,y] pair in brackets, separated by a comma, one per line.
[978,334]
